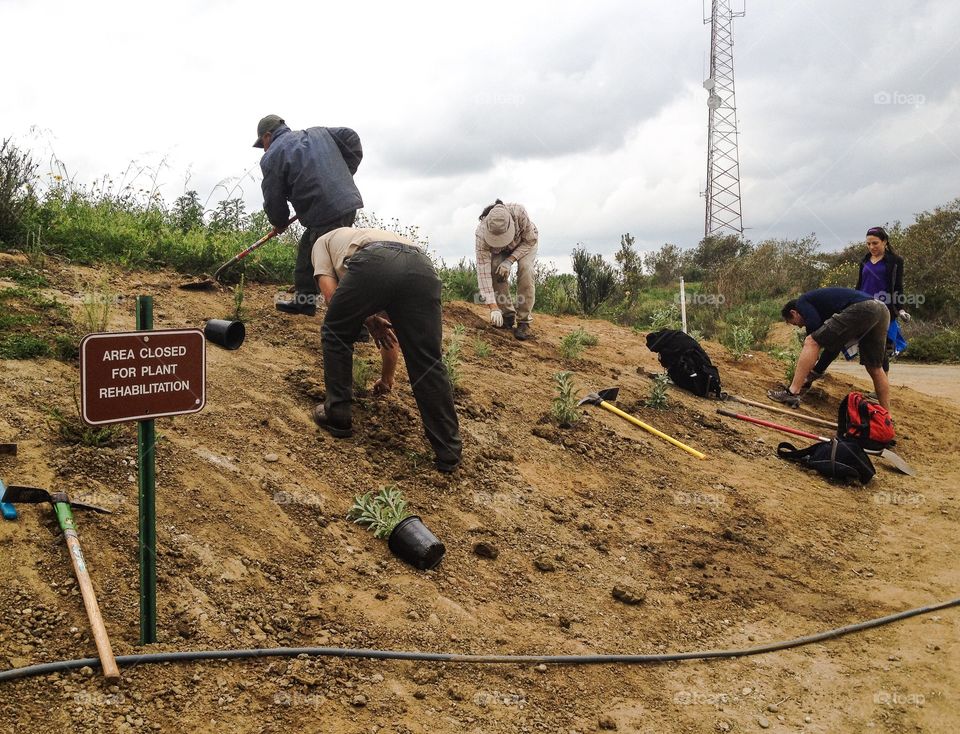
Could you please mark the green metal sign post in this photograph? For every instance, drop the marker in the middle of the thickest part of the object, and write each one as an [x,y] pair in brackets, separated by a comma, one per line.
[146,441]
[140,376]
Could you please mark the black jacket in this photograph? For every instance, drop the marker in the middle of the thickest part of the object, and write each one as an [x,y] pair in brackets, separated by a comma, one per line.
[313,170]
[893,298]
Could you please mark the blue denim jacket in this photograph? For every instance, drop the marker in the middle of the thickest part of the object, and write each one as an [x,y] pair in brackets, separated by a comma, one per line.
[313,170]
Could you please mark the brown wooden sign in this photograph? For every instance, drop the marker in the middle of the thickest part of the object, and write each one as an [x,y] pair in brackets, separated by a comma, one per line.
[139,375]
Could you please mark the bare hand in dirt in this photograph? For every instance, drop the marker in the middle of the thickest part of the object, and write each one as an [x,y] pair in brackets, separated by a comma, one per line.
[382,332]
[382,388]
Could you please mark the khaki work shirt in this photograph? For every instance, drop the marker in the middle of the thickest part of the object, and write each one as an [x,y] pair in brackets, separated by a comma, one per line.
[331,250]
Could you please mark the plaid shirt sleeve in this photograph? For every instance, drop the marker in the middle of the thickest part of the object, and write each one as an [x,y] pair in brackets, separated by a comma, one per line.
[526,232]
[484,270]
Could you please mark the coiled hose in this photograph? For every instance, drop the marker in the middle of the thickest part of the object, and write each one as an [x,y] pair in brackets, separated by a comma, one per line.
[440,657]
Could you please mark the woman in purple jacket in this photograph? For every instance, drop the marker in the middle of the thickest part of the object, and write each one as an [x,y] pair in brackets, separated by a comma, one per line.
[881,276]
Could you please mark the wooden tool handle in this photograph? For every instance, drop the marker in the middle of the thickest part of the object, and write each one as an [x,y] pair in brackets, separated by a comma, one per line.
[775,409]
[104,650]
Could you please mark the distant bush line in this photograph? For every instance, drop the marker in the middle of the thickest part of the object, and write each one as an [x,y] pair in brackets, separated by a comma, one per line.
[734,286]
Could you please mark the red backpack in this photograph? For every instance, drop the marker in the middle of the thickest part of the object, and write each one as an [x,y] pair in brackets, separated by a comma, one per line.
[865,421]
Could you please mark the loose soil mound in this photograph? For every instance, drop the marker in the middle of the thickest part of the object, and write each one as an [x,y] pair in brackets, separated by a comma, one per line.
[606,540]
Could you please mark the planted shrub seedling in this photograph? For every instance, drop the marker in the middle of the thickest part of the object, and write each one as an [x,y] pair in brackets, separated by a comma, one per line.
[385,514]
[658,394]
[363,372]
[564,407]
[380,513]
[573,344]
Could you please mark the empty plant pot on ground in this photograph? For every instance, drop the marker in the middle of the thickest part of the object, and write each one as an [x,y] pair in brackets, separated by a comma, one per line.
[386,515]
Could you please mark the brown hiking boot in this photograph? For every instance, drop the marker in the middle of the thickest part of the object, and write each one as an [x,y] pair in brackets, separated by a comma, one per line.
[523,331]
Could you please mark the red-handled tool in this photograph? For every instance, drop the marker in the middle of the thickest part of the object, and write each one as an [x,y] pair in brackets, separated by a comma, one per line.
[887,454]
[259,243]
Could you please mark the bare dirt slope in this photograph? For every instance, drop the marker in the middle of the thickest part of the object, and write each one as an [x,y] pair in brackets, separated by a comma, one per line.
[255,552]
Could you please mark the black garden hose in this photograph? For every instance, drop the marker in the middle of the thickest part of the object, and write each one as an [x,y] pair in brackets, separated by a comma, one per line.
[440,657]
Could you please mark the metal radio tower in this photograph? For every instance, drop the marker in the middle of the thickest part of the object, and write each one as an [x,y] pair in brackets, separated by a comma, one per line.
[723,166]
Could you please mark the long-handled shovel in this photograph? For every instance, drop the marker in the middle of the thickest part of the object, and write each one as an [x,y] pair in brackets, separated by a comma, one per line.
[887,454]
[209,282]
[602,397]
[61,506]
[775,409]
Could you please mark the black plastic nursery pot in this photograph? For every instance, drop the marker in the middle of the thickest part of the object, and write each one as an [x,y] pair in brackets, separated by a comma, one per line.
[227,334]
[413,542]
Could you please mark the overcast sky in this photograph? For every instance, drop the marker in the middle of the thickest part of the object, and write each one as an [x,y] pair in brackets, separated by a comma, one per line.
[593,115]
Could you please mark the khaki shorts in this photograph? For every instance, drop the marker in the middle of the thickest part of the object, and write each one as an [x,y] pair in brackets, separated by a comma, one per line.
[866,323]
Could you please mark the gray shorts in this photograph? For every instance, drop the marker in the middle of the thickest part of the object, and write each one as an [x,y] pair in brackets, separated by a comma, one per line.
[866,323]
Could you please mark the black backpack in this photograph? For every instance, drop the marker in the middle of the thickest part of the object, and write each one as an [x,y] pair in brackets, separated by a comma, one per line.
[688,366]
[837,458]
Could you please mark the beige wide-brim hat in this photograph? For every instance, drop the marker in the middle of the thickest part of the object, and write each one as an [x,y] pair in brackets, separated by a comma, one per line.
[499,229]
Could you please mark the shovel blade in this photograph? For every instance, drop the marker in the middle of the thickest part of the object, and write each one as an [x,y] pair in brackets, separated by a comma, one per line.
[898,462]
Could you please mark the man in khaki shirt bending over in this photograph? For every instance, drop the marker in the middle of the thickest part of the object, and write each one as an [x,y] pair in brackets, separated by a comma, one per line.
[381,279]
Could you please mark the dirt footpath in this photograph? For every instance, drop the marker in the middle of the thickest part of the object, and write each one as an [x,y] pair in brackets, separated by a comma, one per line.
[937,380]
[596,539]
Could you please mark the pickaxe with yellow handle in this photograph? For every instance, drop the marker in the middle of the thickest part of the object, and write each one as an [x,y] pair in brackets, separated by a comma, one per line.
[605,398]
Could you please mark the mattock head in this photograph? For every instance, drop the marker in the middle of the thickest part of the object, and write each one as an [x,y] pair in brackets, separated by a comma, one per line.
[607,395]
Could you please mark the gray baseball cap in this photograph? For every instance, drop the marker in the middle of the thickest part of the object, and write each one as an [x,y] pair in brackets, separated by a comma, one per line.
[267,125]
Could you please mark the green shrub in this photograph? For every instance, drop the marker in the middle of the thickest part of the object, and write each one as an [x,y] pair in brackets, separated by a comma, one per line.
[17,196]
[23,346]
[739,339]
[667,317]
[596,279]
[556,293]
[938,345]
[459,282]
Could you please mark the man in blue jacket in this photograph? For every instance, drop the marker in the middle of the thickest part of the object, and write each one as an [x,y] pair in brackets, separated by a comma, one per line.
[312,169]
[838,319]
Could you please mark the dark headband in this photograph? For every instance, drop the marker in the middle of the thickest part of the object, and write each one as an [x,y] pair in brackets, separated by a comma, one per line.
[878,232]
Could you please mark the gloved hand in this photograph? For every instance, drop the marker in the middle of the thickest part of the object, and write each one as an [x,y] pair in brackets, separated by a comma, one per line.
[905,316]
[503,272]
[496,318]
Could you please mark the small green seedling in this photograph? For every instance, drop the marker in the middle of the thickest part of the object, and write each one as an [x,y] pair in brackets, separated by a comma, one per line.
[564,407]
[658,395]
[363,372]
[481,348]
[451,356]
[380,513]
